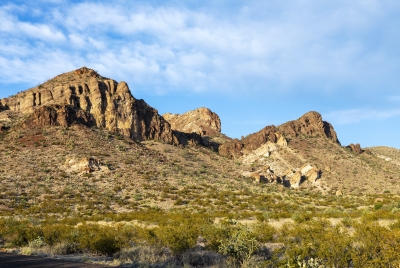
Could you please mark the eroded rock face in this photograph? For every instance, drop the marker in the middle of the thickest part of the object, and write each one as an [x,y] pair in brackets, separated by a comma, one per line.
[355,148]
[94,100]
[201,121]
[310,124]
[59,115]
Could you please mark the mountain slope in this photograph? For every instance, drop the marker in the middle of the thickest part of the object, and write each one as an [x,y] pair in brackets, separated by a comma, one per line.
[85,96]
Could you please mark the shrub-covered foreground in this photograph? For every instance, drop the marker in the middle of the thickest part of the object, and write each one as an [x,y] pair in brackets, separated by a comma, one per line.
[195,240]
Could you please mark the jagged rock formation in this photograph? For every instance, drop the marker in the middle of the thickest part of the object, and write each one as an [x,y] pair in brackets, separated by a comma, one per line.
[355,148]
[197,127]
[201,121]
[86,97]
[310,124]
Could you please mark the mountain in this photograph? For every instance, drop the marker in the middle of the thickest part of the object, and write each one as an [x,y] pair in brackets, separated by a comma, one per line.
[87,168]
[303,153]
[83,96]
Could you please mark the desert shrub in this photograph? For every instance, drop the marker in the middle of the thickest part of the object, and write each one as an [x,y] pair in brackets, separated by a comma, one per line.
[99,239]
[178,237]
[317,239]
[202,258]
[302,217]
[143,255]
[214,234]
[263,232]
[63,248]
[239,247]
[375,246]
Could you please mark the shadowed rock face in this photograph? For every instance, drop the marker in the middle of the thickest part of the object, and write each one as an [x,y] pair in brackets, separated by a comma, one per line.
[88,98]
[2,108]
[310,124]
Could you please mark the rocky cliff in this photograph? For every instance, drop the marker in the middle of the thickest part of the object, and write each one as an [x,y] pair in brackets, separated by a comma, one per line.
[86,97]
[201,121]
[310,124]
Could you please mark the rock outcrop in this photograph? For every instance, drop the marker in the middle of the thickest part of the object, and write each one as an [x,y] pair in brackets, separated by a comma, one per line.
[237,148]
[59,115]
[310,124]
[85,165]
[355,148]
[86,97]
[306,172]
[201,121]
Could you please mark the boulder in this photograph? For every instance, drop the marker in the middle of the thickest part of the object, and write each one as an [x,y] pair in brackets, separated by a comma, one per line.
[313,175]
[339,193]
[296,179]
[85,165]
[355,148]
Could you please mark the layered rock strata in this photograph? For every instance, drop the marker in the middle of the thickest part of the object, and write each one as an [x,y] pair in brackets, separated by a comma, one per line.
[86,97]
[201,121]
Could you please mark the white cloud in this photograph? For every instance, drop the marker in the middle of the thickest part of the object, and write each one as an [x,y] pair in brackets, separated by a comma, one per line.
[357,115]
[245,50]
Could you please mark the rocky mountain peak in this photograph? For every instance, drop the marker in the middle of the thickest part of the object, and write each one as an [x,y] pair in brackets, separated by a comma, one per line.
[310,124]
[201,121]
[84,96]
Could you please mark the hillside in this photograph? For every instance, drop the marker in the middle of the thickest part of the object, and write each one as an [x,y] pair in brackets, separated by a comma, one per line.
[87,168]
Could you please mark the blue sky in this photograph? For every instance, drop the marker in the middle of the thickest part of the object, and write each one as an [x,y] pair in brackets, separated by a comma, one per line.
[255,63]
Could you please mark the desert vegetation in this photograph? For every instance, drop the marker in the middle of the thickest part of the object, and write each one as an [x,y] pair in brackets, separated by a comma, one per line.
[80,190]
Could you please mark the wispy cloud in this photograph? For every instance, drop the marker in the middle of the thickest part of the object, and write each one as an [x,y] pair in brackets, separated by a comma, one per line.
[357,115]
[242,50]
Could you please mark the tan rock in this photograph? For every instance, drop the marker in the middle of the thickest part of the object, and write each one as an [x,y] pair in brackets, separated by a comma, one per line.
[327,168]
[305,168]
[282,142]
[296,180]
[256,177]
[313,174]
[339,193]
[201,121]
[85,165]
[102,101]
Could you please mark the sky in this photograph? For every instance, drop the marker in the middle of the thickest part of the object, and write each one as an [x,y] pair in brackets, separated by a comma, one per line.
[255,63]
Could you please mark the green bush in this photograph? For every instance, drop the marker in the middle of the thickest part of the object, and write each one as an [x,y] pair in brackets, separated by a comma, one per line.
[239,247]
[178,237]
